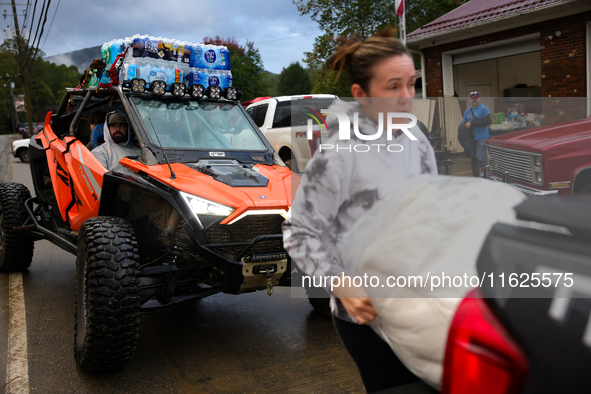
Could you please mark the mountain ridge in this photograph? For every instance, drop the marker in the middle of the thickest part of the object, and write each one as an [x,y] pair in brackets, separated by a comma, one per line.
[80,58]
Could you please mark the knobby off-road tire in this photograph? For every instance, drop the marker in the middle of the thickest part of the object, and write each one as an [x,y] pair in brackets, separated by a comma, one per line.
[107,304]
[16,249]
[319,299]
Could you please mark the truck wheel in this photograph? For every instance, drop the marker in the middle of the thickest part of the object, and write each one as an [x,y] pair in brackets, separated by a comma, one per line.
[24,155]
[319,299]
[16,249]
[585,189]
[107,303]
[292,164]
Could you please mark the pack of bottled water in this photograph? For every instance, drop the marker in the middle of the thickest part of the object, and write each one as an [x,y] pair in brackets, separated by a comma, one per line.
[205,78]
[210,57]
[171,61]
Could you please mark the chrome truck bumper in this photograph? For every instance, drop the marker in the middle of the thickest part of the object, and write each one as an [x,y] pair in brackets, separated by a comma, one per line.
[530,191]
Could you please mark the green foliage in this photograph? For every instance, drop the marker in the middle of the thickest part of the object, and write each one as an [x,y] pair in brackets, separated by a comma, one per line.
[294,80]
[421,12]
[326,82]
[247,67]
[271,81]
[45,80]
[357,20]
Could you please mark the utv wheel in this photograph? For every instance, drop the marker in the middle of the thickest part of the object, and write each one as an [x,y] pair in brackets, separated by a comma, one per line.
[319,299]
[16,249]
[107,304]
[24,155]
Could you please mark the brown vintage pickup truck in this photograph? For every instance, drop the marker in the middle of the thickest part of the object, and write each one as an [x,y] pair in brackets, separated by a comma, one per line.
[545,160]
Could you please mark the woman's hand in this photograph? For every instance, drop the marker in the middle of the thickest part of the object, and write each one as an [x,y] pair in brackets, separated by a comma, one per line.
[357,303]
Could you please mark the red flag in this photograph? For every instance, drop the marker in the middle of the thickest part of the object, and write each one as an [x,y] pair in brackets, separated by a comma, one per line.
[399,7]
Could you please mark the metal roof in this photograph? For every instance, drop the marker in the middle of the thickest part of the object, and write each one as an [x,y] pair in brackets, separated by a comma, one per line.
[477,12]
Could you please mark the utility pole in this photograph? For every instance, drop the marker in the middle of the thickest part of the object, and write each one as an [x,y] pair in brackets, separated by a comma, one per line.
[13,108]
[23,71]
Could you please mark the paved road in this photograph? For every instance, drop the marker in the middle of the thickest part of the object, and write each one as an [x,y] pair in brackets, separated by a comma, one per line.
[251,343]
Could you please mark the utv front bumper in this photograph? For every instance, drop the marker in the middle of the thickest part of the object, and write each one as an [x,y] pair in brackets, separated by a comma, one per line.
[249,252]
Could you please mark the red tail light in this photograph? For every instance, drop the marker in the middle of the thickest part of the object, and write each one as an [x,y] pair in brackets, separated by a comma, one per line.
[480,357]
[314,142]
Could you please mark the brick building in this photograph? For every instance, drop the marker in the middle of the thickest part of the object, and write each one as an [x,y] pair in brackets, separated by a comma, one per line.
[509,50]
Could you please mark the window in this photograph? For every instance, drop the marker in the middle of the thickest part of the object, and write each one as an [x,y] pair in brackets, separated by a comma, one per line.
[185,124]
[295,112]
[259,113]
[282,114]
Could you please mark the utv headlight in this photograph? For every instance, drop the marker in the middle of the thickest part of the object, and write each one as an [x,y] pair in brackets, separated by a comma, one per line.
[196,91]
[159,87]
[230,93]
[214,92]
[178,89]
[202,207]
[138,85]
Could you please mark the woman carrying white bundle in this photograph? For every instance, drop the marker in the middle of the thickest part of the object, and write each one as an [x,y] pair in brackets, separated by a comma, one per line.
[424,241]
[340,185]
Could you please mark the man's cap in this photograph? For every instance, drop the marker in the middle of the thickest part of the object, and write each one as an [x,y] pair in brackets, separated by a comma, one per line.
[116,117]
[474,94]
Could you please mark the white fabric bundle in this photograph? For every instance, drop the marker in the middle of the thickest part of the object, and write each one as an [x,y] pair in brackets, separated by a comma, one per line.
[435,224]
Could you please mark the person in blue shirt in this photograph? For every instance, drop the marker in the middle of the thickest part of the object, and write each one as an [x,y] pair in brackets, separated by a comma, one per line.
[477,119]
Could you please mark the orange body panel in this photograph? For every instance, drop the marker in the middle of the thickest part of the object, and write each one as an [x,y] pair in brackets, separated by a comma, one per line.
[86,173]
[74,172]
[277,194]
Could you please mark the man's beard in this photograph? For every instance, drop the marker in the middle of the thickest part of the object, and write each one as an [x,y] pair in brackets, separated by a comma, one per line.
[119,138]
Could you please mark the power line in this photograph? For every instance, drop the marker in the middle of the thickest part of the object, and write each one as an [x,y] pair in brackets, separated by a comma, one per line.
[32,20]
[38,24]
[42,27]
[26,14]
[44,10]
[286,38]
[51,24]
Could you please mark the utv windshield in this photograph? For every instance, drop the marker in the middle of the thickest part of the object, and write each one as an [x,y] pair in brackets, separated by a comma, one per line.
[184,124]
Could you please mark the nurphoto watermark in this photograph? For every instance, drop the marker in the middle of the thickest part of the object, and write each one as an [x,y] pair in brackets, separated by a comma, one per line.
[344,134]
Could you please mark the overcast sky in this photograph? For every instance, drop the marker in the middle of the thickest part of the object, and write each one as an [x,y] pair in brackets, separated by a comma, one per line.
[277,29]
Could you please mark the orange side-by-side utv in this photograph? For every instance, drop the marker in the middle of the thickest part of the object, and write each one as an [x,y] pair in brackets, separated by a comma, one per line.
[196,212]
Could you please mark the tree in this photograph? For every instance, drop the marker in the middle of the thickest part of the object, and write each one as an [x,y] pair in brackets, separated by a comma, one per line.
[271,81]
[357,20]
[421,12]
[294,80]
[46,83]
[247,66]
[326,82]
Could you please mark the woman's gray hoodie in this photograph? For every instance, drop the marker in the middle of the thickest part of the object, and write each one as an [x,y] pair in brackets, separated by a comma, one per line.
[337,188]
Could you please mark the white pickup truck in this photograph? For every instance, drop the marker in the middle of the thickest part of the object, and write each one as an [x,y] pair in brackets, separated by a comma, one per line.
[283,120]
[20,149]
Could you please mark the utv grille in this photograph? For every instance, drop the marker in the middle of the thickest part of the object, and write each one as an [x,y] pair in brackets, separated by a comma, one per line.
[245,230]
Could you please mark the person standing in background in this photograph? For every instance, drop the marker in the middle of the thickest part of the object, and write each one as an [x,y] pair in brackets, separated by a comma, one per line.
[477,119]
